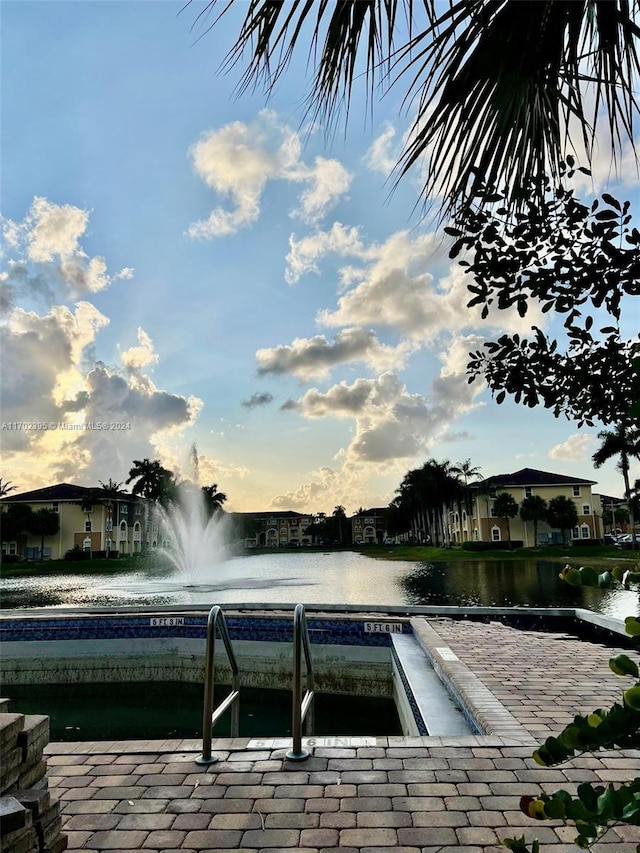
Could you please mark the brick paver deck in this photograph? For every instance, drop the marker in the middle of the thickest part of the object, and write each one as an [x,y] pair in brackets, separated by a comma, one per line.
[414,795]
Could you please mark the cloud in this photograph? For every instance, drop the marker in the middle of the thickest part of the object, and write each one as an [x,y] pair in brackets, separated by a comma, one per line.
[238,159]
[576,447]
[40,358]
[85,420]
[305,253]
[399,286]
[307,358]
[328,488]
[391,424]
[48,261]
[258,399]
[383,155]
[328,182]
[141,356]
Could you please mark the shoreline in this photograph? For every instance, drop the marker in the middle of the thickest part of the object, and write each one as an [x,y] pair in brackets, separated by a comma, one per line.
[605,557]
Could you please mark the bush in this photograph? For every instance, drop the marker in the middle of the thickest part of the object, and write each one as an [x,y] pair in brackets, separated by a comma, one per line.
[77,554]
[10,558]
[493,546]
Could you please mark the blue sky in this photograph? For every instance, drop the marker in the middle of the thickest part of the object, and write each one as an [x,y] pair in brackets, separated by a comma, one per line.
[210,270]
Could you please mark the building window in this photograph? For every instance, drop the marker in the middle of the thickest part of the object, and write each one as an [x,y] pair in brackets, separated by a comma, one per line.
[586,509]
[493,511]
[527,491]
[584,532]
[576,491]
[495,534]
[86,545]
[87,527]
[575,533]
[55,506]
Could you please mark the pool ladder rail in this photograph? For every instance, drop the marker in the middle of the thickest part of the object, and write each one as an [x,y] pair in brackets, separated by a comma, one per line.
[209,716]
[302,706]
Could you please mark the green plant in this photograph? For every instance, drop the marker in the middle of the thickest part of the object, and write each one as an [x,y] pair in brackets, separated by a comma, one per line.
[596,808]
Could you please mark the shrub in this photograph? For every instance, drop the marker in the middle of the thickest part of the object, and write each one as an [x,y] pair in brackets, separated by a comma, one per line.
[10,558]
[492,546]
[77,554]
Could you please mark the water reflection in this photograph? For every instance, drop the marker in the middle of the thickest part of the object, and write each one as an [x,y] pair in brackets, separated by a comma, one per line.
[334,578]
[508,583]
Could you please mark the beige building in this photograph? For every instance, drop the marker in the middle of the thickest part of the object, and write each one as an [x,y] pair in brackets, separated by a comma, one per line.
[483,525]
[274,529]
[88,519]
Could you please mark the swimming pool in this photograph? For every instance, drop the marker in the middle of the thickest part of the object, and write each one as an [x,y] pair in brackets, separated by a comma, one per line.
[357,655]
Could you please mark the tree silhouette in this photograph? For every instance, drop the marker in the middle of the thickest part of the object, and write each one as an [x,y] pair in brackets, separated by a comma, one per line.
[6,486]
[562,514]
[44,522]
[506,507]
[213,498]
[533,508]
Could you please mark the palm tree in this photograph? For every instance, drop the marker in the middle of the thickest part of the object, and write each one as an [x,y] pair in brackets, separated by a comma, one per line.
[506,508]
[6,486]
[503,84]
[213,498]
[153,483]
[533,508]
[151,479]
[108,495]
[45,522]
[623,441]
[467,471]
[339,512]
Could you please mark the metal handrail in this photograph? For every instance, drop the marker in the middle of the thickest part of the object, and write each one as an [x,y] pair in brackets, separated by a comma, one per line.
[209,716]
[302,707]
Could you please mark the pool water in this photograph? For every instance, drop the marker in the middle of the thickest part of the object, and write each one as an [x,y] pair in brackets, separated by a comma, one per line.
[150,711]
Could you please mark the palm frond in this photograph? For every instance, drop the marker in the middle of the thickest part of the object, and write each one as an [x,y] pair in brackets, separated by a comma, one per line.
[496,83]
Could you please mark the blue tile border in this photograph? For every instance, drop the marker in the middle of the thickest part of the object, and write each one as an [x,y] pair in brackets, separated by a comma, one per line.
[250,627]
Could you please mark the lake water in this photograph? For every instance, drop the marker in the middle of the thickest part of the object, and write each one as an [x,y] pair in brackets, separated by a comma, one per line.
[340,577]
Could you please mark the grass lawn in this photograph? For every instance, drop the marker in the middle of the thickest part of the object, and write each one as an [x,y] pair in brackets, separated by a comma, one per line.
[120,565]
[594,555]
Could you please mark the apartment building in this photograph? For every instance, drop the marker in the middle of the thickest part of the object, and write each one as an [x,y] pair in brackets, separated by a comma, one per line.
[89,519]
[483,525]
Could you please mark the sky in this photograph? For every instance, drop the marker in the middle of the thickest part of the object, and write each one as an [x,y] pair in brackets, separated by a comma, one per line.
[185,266]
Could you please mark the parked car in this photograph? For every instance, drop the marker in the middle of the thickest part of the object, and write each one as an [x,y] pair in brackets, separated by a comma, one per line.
[626,537]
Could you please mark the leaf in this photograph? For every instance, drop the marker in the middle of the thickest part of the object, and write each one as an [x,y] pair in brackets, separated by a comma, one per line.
[612,201]
[623,665]
[605,580]
[632,626]
[631,697]
[572,577]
